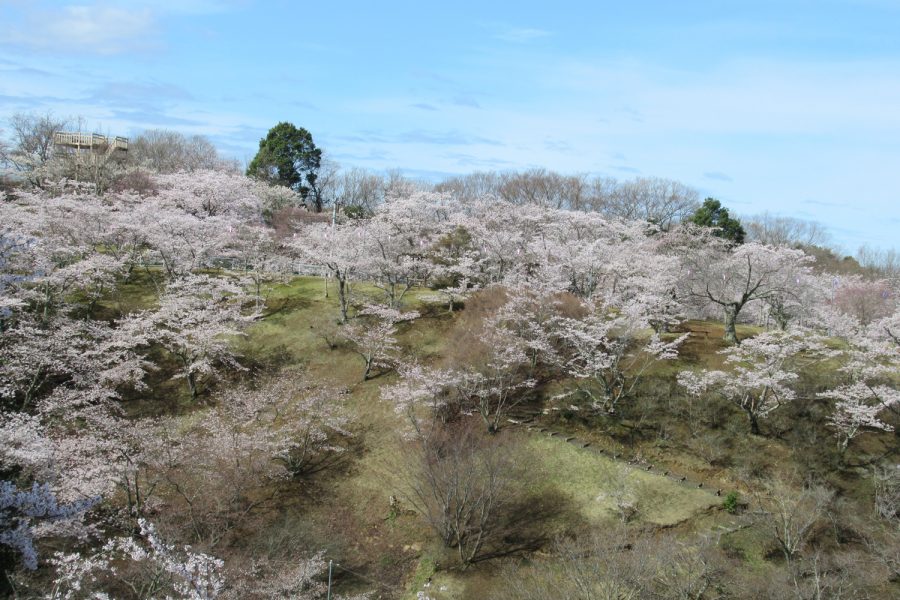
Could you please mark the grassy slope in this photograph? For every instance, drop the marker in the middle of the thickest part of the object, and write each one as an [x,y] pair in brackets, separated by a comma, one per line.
[346,511]
[586,478]
[397,551]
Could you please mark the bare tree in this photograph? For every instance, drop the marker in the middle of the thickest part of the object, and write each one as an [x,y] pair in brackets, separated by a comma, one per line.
[884,262]
[661,201]
[619,563]
[99,169]
[396,184]
[785,231]
[654,199]
[4,150]
[166,151]
[817,577]
[791,513]
[883,538]
[32,143]
[355,191]
[463,482]
[887,494]
[472,186]
[543,188]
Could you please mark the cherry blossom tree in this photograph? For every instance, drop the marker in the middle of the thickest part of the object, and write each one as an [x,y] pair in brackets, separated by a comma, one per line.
[374,339]
[499,232]
[871,360]
[422,387]
[297,576]
[47,263]
[609,350]
[180,242]
[300,419]
[585,250]
[254,251]
[145,563]
[489,388]
[196,317]
[495,388]
[762,370]
[87,356]
[211,193]
[526,320]
[867,301]
[889,327]
[732,278]
[338,249]
[455,278]
[799,306]
[857,409]
[399,240]
[215,473]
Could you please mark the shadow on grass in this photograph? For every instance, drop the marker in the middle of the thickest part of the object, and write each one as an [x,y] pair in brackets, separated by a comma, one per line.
[285,304]
[528,524]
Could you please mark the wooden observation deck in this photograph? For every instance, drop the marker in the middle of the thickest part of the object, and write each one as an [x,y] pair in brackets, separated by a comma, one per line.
[91,141]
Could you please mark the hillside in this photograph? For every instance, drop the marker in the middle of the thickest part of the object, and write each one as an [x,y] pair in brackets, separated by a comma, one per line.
[447,398]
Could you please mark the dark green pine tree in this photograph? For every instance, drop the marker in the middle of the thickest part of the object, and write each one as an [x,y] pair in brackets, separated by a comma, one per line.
[713,214]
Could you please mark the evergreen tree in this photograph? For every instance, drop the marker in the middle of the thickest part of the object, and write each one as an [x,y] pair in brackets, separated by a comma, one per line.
[713,214]
[288,156]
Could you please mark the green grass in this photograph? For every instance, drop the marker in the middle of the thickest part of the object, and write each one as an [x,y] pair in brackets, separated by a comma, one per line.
[590,480]
[425,570]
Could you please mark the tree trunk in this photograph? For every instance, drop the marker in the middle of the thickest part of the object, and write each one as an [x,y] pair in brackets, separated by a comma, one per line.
[192,383]
[731,313]
[781,321]
[342,298]
[754,422]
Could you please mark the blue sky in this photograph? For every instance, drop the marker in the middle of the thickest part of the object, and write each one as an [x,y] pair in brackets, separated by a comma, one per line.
[791,107]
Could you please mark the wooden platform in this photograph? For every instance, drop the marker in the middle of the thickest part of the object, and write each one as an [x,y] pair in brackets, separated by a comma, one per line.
[91,141]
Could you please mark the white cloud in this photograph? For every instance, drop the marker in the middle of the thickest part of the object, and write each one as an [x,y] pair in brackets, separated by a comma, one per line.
[97,28]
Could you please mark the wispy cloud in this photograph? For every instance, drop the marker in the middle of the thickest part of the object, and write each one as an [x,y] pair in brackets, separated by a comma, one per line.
[448,138]
[420,136]
[192,7]
[717,176]
[821,203]
[130,92]
[478,162]
[372,155]
[558,146]
[155,119]
[521,35]
[467,101]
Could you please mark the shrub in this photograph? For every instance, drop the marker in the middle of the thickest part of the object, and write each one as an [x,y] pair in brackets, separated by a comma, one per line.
[730,503]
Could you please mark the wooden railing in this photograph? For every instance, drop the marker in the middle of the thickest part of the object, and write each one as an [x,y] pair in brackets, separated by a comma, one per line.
[91,141]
